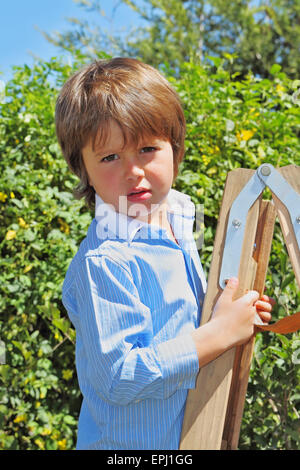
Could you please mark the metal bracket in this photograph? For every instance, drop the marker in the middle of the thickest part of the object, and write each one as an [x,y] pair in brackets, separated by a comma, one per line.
[265,176]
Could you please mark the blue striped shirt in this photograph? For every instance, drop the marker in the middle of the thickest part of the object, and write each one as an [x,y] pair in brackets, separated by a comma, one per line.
[134,296]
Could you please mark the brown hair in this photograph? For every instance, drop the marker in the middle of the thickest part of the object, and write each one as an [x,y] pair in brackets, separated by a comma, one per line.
[128,91]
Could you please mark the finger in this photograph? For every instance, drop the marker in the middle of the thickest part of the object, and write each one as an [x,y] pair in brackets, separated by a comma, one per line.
[251,297]
[232,283]
[261,305]
[265,316]
[230,288]
[266,298]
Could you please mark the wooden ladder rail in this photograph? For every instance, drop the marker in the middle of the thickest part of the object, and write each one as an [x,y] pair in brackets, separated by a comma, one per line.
[214,408]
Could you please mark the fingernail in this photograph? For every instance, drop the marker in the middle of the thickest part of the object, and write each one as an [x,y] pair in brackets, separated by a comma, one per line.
[233,282]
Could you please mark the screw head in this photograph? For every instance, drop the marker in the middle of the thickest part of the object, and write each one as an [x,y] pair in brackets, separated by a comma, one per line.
[236,223]
[298,219]
[265,170]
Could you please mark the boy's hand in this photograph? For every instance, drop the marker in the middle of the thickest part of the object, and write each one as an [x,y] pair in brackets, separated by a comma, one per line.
[232,322]
[236,317]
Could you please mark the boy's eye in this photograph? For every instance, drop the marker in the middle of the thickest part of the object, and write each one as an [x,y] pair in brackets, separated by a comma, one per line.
[110,158]
[147,149]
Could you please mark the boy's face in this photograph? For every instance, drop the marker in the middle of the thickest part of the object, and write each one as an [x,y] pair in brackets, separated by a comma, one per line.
[135,180]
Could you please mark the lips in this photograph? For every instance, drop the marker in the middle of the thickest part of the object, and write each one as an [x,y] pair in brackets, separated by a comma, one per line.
[139,194]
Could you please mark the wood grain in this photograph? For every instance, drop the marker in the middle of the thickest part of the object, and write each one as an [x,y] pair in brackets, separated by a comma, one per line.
[244,353]
[206,404]
[214,408]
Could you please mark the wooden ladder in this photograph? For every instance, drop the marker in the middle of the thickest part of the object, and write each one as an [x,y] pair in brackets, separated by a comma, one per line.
[214,408]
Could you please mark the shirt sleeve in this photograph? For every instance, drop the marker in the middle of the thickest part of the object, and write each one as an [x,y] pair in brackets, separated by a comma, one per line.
[124,366]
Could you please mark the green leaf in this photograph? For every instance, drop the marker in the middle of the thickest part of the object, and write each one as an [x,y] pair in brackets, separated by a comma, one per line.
[288,280]
[275,69]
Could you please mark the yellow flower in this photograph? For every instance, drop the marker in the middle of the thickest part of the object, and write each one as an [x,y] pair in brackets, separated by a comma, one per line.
[12,195]
[22,223]
[20,418]
[40,444]
[280,89]
[62,444]
[245,135]
[212,171]
[64,227]
[3,197]
[206,159]
[46,432]
[254,112]
[27,268]
[11,234]
[67,374]
[213,150]
[57,336]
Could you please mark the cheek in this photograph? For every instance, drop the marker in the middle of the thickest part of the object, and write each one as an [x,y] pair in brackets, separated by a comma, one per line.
[94,176]
[89,168]
[165,170]
[105,180]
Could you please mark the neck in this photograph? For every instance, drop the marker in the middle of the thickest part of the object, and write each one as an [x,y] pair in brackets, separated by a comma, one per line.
[160,217]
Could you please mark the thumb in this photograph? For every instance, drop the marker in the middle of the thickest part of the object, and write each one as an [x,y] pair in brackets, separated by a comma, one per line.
[230,288]
[227,295]
[232,284]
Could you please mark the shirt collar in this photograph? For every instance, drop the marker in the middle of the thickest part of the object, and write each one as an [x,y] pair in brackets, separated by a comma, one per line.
[113,224]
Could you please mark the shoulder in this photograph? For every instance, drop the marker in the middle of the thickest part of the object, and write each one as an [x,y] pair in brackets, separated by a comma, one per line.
[94,249]
[100,270]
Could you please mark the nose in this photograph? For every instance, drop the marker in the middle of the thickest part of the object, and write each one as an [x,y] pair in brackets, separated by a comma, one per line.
[133,169]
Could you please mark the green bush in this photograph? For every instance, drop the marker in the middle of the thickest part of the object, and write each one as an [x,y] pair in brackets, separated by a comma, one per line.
[230,124]
[41,226]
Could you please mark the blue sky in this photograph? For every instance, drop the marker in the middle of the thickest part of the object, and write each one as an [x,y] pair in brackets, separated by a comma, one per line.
[19,36]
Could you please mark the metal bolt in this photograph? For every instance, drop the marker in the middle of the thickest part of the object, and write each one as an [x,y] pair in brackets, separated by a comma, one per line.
[298,219]
[236,223]
[265,170]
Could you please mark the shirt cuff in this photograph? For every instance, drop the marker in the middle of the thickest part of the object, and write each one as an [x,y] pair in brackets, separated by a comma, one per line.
[179,363]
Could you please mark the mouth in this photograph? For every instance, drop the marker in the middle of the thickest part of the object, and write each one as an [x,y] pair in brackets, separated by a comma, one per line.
[139,194]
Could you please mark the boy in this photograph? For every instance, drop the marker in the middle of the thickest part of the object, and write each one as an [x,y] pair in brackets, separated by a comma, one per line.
[135,288]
